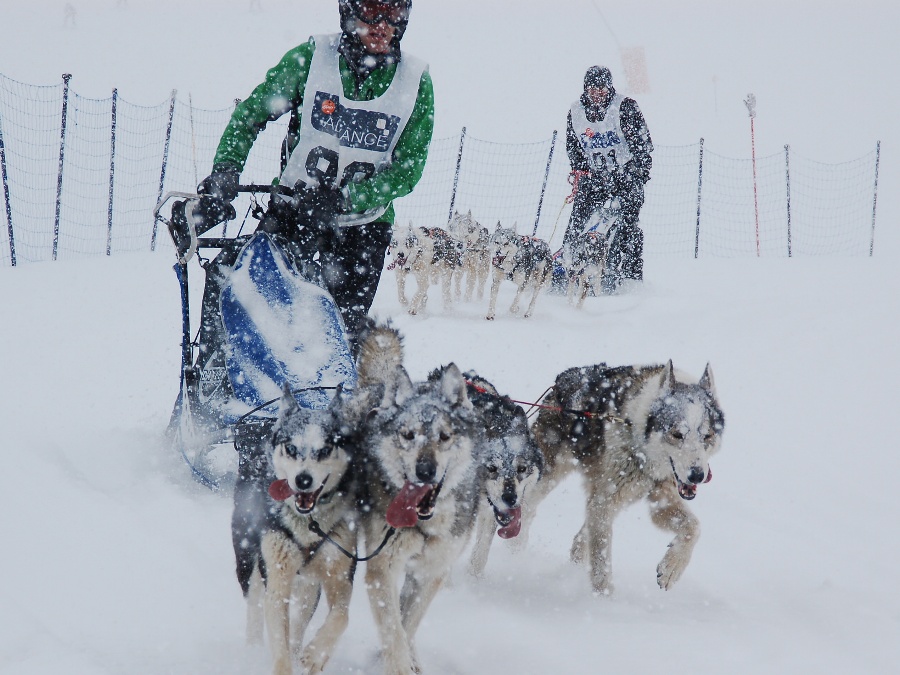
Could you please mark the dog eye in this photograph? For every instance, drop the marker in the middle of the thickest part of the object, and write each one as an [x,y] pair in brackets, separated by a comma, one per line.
[492,469]
[290,449]
[408,434]
[522,468]
[676,435]
[444,436]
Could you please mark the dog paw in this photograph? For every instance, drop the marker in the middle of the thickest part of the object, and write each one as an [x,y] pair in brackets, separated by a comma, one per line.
[601,586]
[671,567]
[282,666]
[312,663]
[576,553]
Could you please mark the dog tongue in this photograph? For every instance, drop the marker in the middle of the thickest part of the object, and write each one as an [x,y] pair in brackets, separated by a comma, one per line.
[512,528]
[279,490]
[402,509]
[708,475]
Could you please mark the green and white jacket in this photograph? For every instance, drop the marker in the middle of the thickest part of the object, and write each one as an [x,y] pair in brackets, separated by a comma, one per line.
[285,89]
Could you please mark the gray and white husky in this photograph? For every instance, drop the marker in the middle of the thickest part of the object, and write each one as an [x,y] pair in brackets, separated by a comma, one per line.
[475,262]
[422,484]
[303,475]
[511,462]
[524,260]
[633,432]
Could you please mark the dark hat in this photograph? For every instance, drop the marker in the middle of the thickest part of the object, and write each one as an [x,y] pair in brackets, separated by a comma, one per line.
[598,77]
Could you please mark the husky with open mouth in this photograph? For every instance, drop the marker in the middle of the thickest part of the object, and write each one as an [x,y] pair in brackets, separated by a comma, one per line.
[422,485]
[511,463]
[303,476]
[633,432]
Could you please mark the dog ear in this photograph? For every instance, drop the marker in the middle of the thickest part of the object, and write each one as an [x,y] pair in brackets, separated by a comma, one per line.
[288,404]
[669,376]
[336,401]
[398,390]
[707,381]
[453,387]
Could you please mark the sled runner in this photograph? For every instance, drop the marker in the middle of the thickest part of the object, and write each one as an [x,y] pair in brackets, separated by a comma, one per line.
[262,323]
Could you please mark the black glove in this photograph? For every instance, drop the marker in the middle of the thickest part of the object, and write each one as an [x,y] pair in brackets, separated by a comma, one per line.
[603,179]
[222,183]
[635,173]
[320,206]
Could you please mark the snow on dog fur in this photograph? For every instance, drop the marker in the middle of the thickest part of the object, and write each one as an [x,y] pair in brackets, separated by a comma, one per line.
[523,260]
[633,433]
[475,263]
[302,475]
[422,483]
[511,463]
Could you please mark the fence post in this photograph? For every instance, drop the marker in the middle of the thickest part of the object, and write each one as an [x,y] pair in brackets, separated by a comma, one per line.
[62,155]
[537,218]
[699,193]
[9,225]
[112,172]
[875,197]
[750,102]
[165,160]
[787,172]
[462,139]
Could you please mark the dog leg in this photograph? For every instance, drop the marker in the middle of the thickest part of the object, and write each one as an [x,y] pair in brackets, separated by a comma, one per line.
[421,296]
[596,535]
[537,291]
[255,621]
[338,589]
[492,305]
[384,598]
[416,599]
[447,275]
[514,308]
[486,528]
[401,287]
[307,592]
[282,563]
[669,512]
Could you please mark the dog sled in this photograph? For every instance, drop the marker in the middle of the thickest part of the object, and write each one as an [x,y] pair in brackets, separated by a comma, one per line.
[605,222]
[265,320]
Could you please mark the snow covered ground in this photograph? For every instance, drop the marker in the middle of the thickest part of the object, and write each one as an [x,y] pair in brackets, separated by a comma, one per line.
[114,561]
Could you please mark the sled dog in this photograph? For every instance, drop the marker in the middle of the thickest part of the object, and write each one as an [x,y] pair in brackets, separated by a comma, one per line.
[412,252]
[524,260]
[510,461]
[586,267]
[422,483]
[302,475]
[432,255]
[633,432]
[475,262]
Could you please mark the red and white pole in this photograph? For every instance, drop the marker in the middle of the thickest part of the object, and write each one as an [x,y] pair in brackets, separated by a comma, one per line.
[750,102]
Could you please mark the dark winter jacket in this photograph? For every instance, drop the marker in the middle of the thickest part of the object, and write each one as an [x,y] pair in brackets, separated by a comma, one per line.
[282,92]
[637,136]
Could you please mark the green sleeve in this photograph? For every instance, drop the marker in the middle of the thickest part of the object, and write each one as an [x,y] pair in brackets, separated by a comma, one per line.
[281,91]
[408,160]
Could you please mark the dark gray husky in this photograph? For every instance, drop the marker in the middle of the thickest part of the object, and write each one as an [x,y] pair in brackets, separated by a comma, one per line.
[302,475]
[511,463]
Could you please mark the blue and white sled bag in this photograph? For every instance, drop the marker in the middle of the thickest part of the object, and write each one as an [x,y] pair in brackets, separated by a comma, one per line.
[281,328]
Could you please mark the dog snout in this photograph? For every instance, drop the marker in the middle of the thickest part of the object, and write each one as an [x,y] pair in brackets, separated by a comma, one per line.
[697,475]
[304,481]
[509,496]
[426,469]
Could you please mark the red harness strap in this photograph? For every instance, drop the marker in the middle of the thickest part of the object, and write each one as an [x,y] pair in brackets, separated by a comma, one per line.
[574,177]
